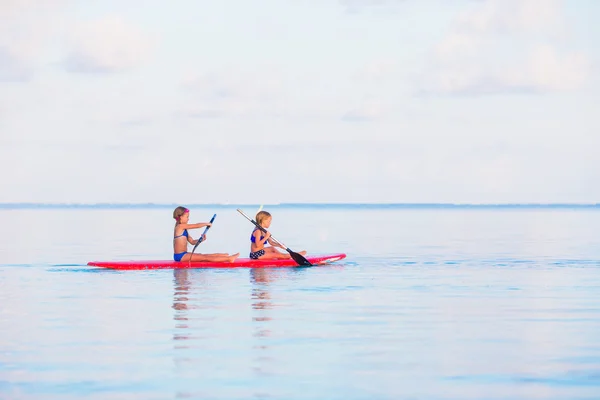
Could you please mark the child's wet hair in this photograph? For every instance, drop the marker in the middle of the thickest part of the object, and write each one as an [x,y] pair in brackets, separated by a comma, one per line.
[261,216]
[178,212]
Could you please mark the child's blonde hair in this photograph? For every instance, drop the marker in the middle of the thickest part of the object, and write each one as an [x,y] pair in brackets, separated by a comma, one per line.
[261,216]
[178,212]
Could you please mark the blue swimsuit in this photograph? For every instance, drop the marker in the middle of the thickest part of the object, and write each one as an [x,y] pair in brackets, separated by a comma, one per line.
[255,255]
[178,256]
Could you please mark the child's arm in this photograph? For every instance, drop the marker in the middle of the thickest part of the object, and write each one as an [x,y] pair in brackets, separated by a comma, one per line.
[195,226]
[257,240]
[193,242]
[275,244]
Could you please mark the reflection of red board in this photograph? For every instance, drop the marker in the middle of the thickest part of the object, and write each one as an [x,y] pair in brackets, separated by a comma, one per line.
[239,263]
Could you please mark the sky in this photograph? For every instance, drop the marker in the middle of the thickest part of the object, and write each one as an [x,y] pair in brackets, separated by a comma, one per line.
[269,101]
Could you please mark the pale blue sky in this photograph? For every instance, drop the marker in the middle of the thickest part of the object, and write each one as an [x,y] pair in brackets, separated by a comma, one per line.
[469,101]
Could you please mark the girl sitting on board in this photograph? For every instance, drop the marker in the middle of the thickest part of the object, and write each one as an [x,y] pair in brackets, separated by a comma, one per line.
[258,240]
[181,238]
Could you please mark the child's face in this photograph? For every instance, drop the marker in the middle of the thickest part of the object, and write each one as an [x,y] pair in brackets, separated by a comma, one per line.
[266,222]
[185,218]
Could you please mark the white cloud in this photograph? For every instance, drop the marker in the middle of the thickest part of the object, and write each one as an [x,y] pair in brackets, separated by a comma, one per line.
[15,8]
[367,111]
[13,68]
[541,17]
[107,45]
[547,69]
[25,26]
[235,92]
[225,84]
[501,46]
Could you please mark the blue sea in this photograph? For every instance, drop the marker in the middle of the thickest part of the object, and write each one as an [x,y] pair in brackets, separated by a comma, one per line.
[432,302]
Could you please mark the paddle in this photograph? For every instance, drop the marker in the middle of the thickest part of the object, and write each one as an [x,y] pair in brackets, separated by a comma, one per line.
[201,238]
[299,258]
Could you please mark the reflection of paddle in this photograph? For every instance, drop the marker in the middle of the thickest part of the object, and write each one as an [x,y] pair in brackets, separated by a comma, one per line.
[201,239]
[299,258]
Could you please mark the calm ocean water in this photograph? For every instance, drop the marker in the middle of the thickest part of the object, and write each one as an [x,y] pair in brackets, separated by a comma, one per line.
[431,303]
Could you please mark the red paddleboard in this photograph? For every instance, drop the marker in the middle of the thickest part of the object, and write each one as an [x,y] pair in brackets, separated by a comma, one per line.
[238,263]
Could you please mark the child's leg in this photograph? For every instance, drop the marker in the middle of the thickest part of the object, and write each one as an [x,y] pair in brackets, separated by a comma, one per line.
[216,257]
[271,253]
[279,254]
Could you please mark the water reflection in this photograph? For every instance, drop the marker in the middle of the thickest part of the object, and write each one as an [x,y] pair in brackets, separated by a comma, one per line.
[265,308]
[187,296]
[181,306]
[198,317]
[262,306]
[261,300]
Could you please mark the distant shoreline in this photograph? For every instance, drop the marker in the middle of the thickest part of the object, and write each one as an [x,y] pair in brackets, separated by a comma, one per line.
[15,206]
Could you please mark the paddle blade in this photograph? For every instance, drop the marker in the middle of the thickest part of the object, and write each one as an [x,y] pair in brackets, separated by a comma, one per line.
[299,258]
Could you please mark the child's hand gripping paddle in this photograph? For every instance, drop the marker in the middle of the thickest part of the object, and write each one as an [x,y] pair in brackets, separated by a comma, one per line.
[201,238]
[299,258]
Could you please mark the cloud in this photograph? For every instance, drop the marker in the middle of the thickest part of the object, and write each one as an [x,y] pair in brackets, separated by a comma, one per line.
[235,84]
[25,27]
[107,45]
[12,67]
[368,111]
[233,93]
[268,92]
[16,8]
[507,46]
[543,17]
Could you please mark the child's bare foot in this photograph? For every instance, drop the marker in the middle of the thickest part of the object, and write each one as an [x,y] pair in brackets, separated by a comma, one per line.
[233,257]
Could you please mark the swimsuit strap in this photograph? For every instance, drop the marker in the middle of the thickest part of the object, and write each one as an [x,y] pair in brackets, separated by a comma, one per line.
[185,233]
[252,239]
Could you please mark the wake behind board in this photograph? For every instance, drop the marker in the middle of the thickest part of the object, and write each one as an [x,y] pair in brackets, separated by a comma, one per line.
[238,263]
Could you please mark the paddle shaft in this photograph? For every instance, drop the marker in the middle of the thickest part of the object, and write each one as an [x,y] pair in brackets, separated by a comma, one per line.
[200,239]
